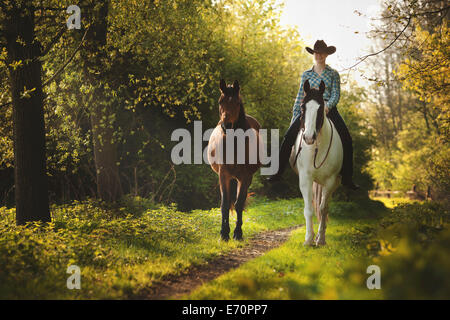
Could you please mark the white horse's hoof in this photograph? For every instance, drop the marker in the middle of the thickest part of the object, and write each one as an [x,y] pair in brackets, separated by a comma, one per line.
[309,242]
[316,237]
[320,241]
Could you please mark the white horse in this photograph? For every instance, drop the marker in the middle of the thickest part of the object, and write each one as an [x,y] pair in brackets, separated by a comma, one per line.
[317,159]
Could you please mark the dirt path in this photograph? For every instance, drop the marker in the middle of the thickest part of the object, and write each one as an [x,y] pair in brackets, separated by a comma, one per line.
[176,286]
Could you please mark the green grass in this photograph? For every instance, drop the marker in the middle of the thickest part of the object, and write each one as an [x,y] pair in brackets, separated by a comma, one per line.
[410,244]
[394,201]
[123,250]
[293,271]
[120,250]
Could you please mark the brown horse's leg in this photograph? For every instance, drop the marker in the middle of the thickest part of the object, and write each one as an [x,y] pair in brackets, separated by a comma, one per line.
[239,206]
[224,180]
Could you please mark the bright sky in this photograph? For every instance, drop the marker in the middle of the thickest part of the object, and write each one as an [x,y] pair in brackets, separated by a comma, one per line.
[335,22]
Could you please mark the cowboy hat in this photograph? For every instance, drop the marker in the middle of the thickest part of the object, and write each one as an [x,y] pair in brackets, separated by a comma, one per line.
[321,47]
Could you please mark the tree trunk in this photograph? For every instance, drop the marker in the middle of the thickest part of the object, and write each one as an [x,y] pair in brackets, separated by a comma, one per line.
[31,191]
[105,149]
[105,154]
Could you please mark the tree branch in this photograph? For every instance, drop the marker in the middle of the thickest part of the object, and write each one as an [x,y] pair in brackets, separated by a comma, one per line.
[54,41]
[58,9]
[67,62]
[5,104]
[47,8]
[382,50]
[60,69]
[413,15]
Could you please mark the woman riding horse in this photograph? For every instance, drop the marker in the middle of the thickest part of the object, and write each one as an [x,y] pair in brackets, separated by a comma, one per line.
[320,72]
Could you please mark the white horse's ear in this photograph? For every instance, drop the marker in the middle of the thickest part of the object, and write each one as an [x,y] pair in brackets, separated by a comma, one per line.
[306,86]
[322,87]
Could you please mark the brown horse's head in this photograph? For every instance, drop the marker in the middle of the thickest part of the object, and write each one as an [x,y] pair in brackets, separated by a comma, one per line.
[231,109]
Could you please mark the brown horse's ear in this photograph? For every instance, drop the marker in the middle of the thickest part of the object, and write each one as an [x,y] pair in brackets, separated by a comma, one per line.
[236,86]
[306,86]
[322,87]
[223,85]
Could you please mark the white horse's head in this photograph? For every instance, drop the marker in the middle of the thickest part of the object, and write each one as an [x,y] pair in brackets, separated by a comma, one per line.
[313,112]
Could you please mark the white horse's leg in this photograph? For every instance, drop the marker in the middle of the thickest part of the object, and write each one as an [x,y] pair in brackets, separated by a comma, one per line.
[306,189]
[327,191]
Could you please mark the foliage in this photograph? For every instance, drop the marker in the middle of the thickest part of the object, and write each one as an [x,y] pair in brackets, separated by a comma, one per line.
[160,76]
[411,246]
[159,71]
[432,89]
[120,250]
[424,73]
[410,110]
[392,202]
[350,107]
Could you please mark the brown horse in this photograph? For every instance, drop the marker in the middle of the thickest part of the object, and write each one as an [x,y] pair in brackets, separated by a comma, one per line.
[235,177]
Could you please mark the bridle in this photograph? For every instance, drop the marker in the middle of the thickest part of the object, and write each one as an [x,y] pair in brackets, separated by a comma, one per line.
[239,123]
[316,148]
[224,128]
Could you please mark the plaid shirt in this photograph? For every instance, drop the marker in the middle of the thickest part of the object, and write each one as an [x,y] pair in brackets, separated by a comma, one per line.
[332,88]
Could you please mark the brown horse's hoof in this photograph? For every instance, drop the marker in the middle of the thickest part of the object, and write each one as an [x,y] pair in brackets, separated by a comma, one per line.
[225,237]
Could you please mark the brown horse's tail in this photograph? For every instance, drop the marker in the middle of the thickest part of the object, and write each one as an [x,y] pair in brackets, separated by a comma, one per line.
[233,194]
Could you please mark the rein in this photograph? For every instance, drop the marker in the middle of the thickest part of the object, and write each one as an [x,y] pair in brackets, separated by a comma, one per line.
[316,149]
[329,147]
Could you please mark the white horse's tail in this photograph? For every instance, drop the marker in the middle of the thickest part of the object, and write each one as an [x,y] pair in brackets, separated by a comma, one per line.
[317,199]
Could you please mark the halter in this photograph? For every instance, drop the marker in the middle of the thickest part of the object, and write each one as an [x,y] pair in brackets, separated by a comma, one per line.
[240,123]
[316,148]
[224,129]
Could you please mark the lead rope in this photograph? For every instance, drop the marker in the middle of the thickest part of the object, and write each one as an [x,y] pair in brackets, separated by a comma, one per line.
[326,156]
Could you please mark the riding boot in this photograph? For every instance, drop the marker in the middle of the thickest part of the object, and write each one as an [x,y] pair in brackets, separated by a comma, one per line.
[286,147]
[347,165]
